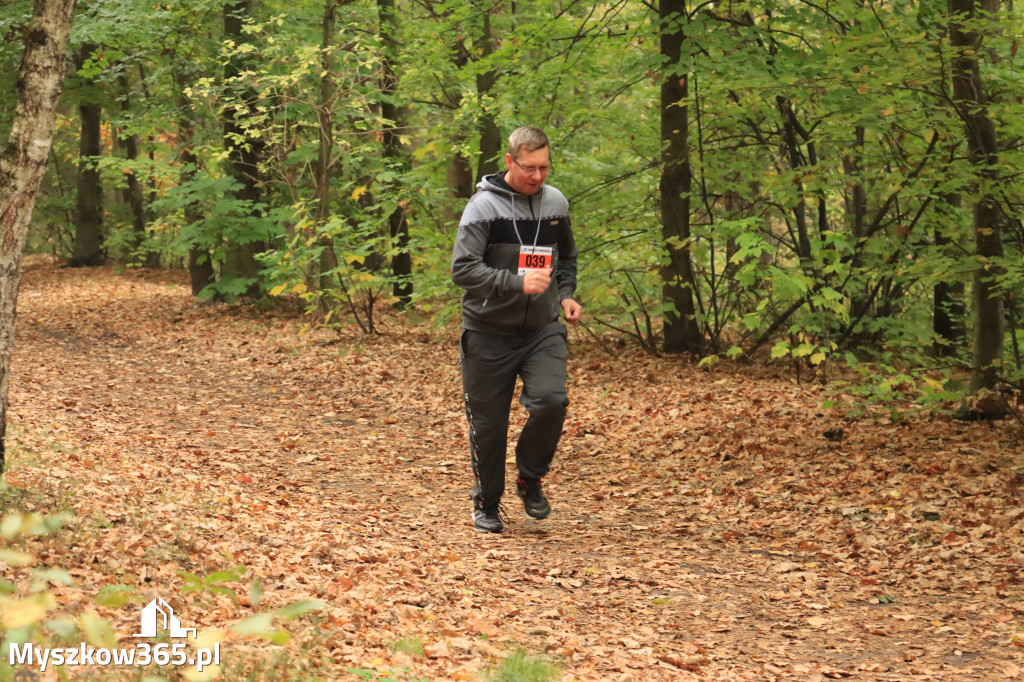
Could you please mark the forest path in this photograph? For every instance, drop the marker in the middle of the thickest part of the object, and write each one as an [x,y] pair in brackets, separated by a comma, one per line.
[703,525]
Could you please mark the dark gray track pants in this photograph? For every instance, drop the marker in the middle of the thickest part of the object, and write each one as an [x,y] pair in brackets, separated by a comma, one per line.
[490,365]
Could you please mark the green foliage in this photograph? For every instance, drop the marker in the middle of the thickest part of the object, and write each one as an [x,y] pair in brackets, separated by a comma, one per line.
[397,673]
[410,645]
[31,613]
[264,625]
[832,188]
[521,666]
[357,282]
[213,583]
[27,608]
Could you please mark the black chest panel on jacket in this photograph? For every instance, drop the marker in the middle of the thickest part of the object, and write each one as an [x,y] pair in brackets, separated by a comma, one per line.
[503,231]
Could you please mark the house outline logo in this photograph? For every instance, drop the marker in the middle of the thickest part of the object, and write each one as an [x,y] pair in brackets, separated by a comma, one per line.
[151,615]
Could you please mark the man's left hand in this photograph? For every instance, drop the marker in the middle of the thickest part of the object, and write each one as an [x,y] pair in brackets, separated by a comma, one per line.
[572,310]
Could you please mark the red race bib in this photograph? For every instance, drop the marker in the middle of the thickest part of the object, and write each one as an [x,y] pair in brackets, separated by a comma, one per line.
[534,258]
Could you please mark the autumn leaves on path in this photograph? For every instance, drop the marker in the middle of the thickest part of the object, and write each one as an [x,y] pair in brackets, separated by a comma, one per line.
[704,526]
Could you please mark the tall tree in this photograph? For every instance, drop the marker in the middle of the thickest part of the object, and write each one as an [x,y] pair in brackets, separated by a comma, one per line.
[200,261]
[328,260]
[394,157]
[682,334]
[459,171]
[88,248]
[244,154]
[971,102]
[133,194]
[490,134]
[949,310]
[23,161]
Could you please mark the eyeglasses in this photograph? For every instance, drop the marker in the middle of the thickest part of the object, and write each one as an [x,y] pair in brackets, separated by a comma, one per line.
[530,170]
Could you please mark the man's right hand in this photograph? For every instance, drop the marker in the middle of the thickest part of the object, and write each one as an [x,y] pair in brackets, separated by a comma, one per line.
[536,281]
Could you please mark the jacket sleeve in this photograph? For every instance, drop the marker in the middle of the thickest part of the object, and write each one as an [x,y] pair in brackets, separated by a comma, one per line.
[565,272]
[469,270]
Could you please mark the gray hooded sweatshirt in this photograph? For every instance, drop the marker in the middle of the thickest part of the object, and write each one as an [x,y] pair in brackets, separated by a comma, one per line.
[485,260]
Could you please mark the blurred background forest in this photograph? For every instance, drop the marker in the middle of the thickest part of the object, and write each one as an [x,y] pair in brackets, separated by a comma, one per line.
[835,184]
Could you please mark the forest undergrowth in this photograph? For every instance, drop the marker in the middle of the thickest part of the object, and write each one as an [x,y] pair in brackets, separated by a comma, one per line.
[709,523]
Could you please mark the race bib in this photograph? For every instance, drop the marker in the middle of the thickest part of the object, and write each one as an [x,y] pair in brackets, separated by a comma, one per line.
[534,258]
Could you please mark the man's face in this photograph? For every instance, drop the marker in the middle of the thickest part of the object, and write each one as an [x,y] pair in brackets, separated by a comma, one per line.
[528,170]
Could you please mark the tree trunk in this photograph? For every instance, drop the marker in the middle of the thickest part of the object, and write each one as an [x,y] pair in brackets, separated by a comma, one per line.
[460,182]
[394,158]
[982,147]
[23,161]
[133,193]
[243,158]
[200,263]
[324,164]
[459,172]
[790,138]
[88,248]
[948,309]
[490,136]
[856,211]
[682,333]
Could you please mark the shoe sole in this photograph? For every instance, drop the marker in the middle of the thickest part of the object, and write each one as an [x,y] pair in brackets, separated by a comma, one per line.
[485,530]
[526,509]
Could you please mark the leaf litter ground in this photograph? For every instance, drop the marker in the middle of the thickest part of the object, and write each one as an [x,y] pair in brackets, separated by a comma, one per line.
[704,525]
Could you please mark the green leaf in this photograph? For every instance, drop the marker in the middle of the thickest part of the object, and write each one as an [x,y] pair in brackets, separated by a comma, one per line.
[259,624]
[13,557]
[780,350]
[115,596]
[230,575]
[193,582]
[803,350]
[63,627]
[54,575]
[11,526]
[255,592]
[97,630]
[299,608]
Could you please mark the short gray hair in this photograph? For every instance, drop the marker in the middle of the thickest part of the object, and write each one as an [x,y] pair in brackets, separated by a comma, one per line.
[529,137]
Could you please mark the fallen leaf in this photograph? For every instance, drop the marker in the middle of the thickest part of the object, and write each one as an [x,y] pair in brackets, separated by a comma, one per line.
[437,650]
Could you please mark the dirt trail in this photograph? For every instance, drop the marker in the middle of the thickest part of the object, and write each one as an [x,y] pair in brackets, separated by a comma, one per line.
[704,527]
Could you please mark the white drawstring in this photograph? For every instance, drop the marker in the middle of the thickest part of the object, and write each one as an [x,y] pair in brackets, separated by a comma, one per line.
[512,198]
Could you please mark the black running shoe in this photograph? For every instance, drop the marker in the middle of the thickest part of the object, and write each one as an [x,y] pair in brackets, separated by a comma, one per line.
[487,520]
[532,495]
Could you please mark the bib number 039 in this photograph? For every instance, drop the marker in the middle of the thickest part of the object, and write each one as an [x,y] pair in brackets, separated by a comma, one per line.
[534,258]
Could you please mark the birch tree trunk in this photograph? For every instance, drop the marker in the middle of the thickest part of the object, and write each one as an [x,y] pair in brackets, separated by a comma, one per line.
[23,160]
